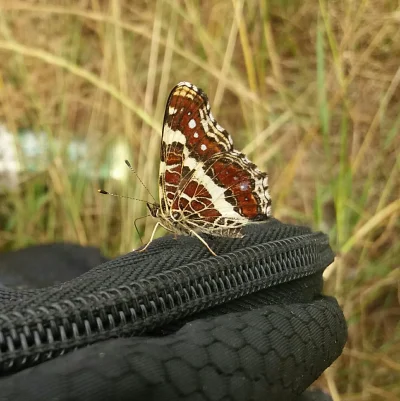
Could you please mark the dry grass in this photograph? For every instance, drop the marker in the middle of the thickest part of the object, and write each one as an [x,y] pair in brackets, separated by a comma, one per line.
[310,91]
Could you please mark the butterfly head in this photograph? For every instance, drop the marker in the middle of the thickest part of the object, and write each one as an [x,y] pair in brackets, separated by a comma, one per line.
[154,209]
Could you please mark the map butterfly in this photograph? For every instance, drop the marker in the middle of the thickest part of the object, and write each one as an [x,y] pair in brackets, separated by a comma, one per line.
[205,185]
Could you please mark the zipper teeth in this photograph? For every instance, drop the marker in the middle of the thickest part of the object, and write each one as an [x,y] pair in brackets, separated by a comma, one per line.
[47,332]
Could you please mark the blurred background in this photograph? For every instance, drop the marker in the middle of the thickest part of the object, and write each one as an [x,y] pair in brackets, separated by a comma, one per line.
[308,90]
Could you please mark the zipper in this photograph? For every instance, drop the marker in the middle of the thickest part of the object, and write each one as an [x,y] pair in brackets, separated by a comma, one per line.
[29,336]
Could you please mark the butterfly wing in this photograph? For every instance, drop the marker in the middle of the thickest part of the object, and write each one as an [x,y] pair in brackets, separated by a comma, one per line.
[214,188]
[223,195]
[190,134]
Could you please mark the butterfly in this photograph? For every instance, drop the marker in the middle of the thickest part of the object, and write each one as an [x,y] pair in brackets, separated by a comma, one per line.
[205,185]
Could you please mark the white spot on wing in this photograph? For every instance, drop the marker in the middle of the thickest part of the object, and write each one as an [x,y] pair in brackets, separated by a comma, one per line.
[203,147]
[244,186]
[196,135]
[192,123]
[172,110]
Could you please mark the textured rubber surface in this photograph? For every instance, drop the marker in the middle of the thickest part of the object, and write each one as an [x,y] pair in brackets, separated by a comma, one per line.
[268,345]
[272,353]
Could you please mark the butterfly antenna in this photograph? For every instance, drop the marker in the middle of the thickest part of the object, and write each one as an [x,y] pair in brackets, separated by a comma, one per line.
[131,168]
[102,191]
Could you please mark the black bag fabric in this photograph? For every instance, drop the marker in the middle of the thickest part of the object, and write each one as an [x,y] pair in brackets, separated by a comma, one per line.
[46,264]
[175,322]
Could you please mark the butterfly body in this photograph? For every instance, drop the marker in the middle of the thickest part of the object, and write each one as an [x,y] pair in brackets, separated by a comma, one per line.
[169,222]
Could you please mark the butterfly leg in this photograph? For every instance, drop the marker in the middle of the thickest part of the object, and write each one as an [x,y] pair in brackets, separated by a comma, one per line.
[151,237]
[204,242]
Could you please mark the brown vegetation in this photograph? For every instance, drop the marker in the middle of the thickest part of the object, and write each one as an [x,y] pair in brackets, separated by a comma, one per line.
[309,90]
